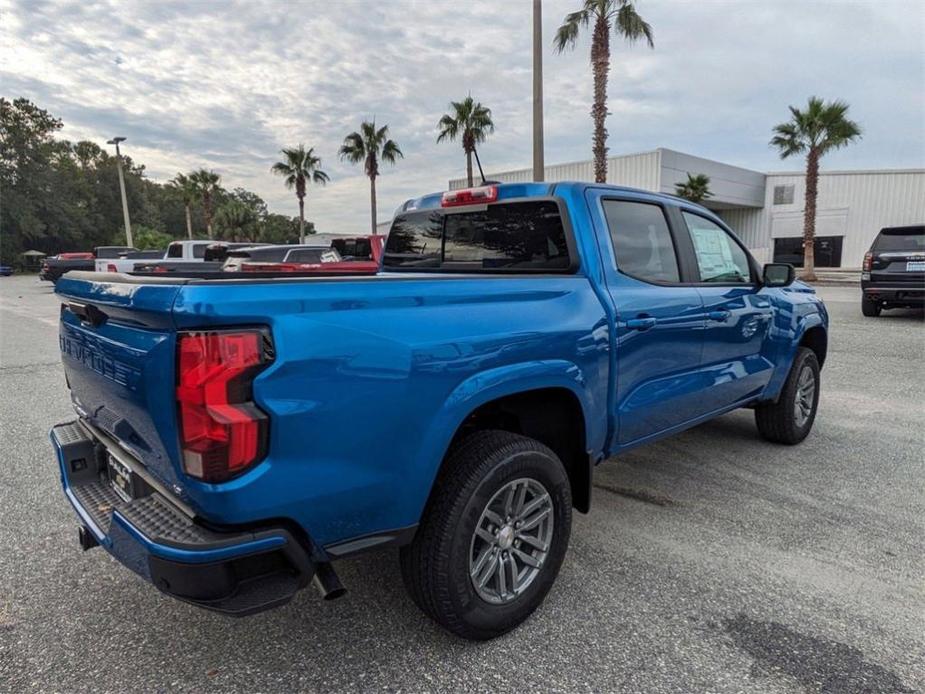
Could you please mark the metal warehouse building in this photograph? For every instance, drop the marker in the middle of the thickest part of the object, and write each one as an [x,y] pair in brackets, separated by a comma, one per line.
[766,209]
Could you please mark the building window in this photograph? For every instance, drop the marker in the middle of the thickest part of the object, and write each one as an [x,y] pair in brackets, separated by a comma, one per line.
[783,195]
[826,250]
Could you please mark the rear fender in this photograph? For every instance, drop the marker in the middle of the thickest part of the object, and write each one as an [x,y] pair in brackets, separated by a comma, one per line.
[486,386]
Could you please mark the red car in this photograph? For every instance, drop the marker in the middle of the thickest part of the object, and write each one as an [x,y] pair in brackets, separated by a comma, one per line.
[77,256]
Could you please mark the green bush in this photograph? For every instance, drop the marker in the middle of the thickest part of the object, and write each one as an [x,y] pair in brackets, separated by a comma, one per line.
[147,239]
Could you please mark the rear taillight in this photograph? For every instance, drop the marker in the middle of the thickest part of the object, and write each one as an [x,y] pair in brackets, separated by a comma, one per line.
[868,261]
[111,267]
[222,431]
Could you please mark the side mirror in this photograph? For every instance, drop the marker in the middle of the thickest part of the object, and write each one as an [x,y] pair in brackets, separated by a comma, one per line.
[778,275]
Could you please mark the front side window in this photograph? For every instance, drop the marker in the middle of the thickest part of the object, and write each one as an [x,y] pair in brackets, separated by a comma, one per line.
[719,258]
[526,236]
[641,240]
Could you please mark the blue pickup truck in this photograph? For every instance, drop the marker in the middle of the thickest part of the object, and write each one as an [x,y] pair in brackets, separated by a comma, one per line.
[235,437]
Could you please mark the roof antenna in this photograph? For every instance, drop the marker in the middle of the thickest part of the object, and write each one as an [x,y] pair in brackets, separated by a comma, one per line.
[481,173]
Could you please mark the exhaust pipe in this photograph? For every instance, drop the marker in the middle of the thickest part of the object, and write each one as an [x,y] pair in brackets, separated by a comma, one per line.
[327,582]
[86,538]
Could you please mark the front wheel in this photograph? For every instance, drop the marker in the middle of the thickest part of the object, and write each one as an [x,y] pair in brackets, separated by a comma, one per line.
[493,535]
[790,419]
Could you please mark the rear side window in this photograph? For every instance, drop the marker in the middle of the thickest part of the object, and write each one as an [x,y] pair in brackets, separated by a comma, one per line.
[906,239]
[641,240]
[199,250]
[526,236]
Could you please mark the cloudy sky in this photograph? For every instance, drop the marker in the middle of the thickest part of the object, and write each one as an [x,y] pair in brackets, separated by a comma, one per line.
[225,85]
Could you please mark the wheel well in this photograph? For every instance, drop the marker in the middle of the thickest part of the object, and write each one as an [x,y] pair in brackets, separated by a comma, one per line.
[552,416]
[816,340]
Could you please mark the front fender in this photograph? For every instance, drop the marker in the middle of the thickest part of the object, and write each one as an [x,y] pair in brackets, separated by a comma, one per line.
[811,316]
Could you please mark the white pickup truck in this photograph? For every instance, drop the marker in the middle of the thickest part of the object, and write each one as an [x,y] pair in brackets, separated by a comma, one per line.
[178,251]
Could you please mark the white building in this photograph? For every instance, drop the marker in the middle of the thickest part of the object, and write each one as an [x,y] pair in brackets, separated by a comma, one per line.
[766,209]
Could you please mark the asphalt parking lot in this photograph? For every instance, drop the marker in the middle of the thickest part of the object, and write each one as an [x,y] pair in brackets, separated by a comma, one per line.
[711,561]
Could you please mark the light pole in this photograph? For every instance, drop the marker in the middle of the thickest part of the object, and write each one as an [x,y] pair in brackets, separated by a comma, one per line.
[128,225]
[539,168]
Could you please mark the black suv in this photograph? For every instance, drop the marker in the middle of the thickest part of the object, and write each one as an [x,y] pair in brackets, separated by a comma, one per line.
[893,275]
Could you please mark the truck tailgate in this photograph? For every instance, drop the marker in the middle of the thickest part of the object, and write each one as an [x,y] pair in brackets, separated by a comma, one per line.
[117,343]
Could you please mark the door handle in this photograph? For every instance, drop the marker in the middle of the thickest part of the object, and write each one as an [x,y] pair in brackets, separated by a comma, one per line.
[640,323]
[718,315]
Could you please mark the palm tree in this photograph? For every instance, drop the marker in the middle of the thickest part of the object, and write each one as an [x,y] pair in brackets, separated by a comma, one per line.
[696,188]
[236,221]
[621,16]
[189,192]
[369,145]
[207,185]
[300,166]
[469,121]
[820,128]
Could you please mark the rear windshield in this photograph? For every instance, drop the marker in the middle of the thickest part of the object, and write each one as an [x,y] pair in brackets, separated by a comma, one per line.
[519,236]
[353,249]
[312,255]
[269,254]
[109,252]
[143,255]
[908,239]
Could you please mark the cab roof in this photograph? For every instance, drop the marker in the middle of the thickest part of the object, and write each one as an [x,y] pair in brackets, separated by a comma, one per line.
[508,191]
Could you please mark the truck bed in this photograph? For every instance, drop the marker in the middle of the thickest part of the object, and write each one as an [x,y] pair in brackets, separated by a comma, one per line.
[342,344]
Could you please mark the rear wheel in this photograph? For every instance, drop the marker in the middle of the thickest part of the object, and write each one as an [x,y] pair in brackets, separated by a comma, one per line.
[790,419]
[493,535]
[870,308]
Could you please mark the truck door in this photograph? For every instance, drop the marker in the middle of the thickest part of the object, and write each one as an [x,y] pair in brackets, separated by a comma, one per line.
[658,318]
[736,360]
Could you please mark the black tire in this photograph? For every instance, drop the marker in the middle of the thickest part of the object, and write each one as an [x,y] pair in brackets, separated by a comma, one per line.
[436,565]
[869,308]
[783,421]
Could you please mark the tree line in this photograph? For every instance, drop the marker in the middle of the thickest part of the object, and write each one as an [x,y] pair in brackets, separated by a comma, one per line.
[59,195]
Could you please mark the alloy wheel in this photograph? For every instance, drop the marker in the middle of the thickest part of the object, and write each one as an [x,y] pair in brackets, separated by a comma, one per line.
[511,541]
[805,394]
